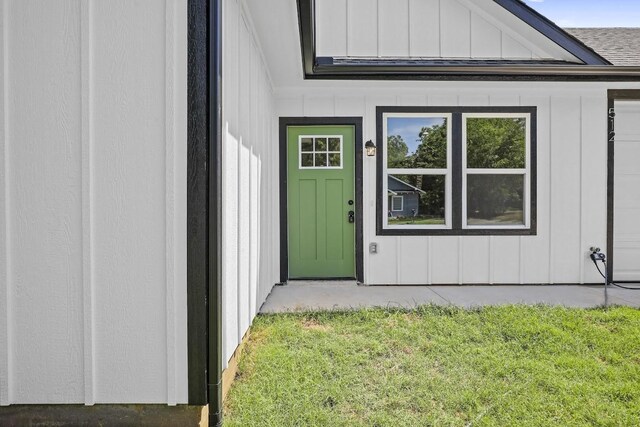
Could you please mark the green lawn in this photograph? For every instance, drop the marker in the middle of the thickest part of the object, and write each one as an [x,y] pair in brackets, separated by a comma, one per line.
[420,220]
[506,366]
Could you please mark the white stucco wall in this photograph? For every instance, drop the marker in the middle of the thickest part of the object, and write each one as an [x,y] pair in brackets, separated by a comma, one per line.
[93,201]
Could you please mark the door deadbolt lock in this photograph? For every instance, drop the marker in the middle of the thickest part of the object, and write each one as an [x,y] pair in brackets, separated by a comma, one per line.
[351,216]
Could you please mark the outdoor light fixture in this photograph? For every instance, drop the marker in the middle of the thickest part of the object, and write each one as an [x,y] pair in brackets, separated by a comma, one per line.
[371,148]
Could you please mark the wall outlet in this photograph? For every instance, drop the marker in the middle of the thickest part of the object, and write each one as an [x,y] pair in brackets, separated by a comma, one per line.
[373,248]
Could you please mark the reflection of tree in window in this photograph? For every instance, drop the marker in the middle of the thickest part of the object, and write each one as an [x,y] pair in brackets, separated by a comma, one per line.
[397,151]
[495,143]
[431,153]
[497,199]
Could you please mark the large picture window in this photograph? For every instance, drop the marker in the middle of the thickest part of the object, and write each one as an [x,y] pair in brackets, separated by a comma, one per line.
[456,170]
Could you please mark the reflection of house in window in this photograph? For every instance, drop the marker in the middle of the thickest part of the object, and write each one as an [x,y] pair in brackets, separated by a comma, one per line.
[404,198]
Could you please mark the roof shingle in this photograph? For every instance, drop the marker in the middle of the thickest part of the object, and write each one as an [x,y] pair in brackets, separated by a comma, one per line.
[620,46]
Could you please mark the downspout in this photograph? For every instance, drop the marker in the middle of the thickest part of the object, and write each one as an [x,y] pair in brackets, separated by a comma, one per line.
[214,381]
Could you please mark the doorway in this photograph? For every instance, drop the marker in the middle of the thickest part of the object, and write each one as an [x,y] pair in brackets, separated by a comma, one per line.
[321,198]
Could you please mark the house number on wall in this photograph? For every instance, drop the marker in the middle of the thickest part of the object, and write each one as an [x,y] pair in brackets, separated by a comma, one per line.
[612,124]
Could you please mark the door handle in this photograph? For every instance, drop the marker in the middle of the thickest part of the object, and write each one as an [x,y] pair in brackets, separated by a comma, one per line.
[351,216]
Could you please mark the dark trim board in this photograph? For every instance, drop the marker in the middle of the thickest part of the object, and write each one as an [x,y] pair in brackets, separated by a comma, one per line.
[380,69]
[204,135]
[145,415]
[197,198]
[610,181]
[285,122]
[457,143]
[306,25]
[613,95]
[624,94]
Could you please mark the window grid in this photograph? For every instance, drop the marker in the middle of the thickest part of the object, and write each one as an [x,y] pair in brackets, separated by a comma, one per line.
[317,152]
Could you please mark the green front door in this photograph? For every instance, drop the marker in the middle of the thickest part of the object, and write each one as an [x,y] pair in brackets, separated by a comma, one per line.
[321,201]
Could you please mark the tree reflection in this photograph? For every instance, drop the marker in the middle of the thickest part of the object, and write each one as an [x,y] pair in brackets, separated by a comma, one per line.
[492,143]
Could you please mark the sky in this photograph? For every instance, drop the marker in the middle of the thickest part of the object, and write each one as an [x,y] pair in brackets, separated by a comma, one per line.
[590,13]
[409,128]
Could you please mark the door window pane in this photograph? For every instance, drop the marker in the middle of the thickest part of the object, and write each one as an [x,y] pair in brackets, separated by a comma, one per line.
[321,144]
[496,143]
[334,159]
[423,199]
[321,160]
[306,144]
[307,160]
[417,142]
[495,199]
[320,152]
[334,144]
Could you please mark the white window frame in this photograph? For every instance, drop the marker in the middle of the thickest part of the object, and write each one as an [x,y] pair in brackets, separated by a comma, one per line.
[526,172]
[401,203]
[447,173]
[314,152]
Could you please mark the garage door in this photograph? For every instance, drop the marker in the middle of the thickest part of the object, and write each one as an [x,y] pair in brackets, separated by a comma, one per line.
[626,244]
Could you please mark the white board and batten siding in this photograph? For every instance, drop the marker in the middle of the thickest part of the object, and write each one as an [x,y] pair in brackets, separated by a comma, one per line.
[479,29]
[93,202]
[571,185]
[250,178]
[626,250]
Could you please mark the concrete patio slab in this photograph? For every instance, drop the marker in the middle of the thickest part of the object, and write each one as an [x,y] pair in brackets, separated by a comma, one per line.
[340,296]
[304,296]
[569,296]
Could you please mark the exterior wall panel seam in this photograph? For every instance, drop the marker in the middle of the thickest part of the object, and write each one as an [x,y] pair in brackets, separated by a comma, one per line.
[248,19]
[5,318]
[87,203]
[491,260]
[170,201]
[440,28]
[582,195]
[460,260]
[550,195]
[521,238]
[378,27]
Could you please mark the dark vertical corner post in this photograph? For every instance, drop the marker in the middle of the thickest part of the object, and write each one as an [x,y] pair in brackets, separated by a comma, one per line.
[203,205]
[284,242]
[380,147]
[215,214]
[457,178]
[197,199]
[611,137]
[359,144]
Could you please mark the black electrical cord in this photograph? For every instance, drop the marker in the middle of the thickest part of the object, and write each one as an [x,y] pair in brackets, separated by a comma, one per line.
[612,283]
